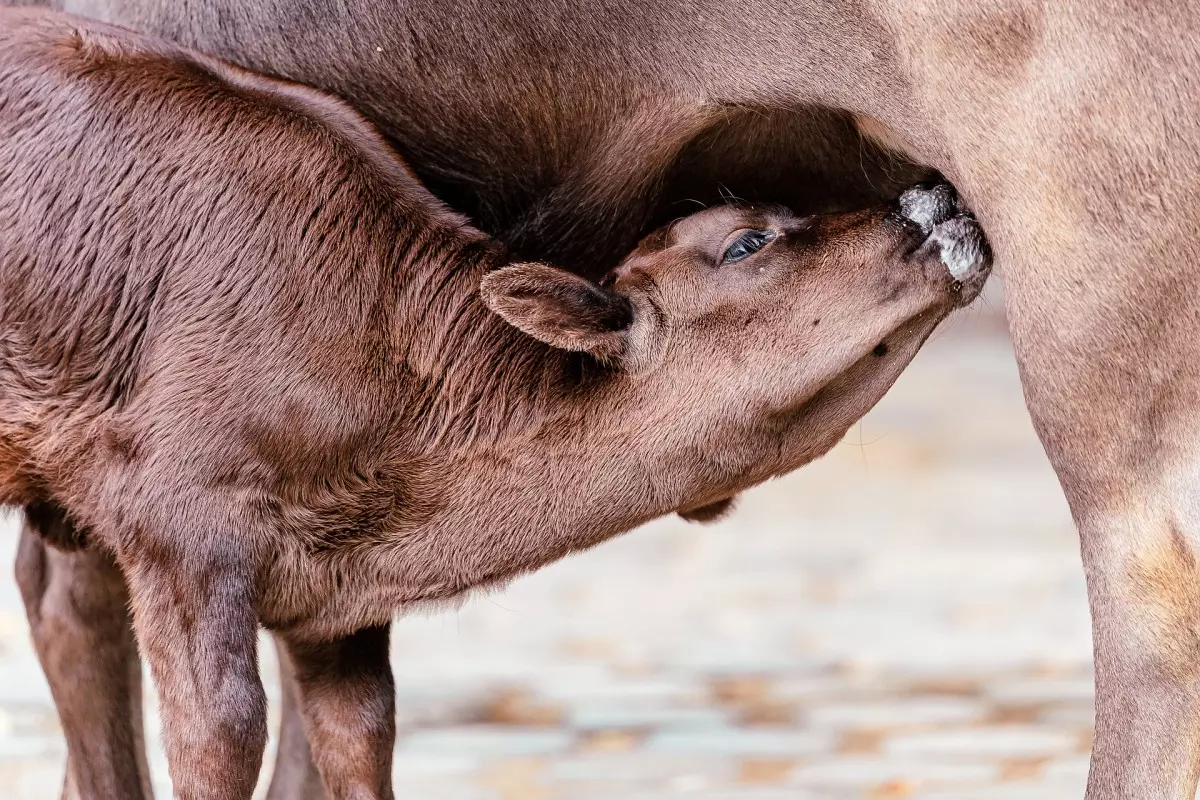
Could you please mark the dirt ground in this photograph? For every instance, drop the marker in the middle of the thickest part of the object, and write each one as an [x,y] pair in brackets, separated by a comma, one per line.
[904,619]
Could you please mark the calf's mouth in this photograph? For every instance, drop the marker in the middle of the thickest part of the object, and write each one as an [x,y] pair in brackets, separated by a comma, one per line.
[947,239]
[946,245]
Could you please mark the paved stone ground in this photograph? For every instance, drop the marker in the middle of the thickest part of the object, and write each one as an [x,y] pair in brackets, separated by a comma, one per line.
[904,619]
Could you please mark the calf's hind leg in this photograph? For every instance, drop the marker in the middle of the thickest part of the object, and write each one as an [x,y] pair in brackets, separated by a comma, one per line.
[78,613]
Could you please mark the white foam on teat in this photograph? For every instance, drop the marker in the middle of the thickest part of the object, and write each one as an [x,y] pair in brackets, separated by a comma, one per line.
[927,207]
[962,247]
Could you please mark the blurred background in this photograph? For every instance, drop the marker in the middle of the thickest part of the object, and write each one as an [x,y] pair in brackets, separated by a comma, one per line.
[906,618]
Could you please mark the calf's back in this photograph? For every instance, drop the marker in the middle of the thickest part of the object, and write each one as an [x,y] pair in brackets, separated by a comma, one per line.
[174,230]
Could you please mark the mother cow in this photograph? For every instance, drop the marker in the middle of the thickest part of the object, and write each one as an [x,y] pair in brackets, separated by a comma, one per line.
[1072,128]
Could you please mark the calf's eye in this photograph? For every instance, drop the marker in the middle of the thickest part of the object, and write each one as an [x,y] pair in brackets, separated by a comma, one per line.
[746,244]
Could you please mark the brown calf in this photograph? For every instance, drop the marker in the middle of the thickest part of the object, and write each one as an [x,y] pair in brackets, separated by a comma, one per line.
[1071,128]
[248,354]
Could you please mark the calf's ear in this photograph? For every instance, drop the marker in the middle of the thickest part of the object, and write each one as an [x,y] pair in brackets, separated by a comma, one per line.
[559,308]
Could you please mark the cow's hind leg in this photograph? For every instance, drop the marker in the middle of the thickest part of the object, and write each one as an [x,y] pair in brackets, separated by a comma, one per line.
[1124,437]
[1105,308]
[78,613]
[1123,432]
[1078,144]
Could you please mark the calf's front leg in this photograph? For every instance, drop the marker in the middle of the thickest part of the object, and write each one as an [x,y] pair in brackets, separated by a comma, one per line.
[347,698]
[193,593]
[295,776]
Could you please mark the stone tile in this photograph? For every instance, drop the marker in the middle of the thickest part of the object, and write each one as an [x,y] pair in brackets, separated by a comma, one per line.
[1039,790]
[740,742]
[485,741]
[26,747]
[1072,769]
[609,716]
[1077,690]
[868,771]
[1009,741]
[896,713]
[409,765]
[642,768]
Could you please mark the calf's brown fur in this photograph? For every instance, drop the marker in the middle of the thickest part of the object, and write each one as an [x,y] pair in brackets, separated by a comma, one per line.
[279,383]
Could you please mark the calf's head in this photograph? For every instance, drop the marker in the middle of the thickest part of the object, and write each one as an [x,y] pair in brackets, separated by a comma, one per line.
[747,340]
